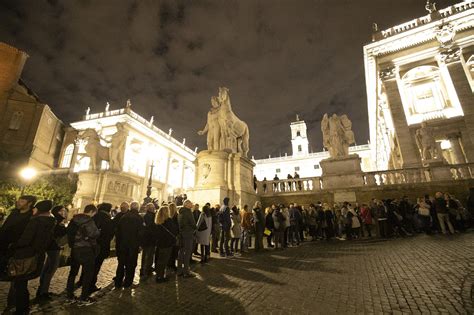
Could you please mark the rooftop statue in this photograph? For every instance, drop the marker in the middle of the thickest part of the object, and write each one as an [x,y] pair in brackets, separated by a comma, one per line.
[225,131]
[337,135]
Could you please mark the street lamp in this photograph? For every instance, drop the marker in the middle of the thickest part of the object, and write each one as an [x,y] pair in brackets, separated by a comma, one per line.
[148,198]
[27,174]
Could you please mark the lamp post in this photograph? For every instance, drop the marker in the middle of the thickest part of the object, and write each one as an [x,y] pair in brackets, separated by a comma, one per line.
[148,198]
[27,174]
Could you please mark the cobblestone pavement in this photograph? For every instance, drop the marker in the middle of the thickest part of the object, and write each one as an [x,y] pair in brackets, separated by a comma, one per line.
[422,274]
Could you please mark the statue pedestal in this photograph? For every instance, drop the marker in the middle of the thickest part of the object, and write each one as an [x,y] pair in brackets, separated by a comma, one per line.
[221,174]
[439,170]
[105,186]
[342,173]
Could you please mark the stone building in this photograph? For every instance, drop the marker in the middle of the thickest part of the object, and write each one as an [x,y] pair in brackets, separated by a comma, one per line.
[144,145]
[302,161]
[30,133]
[419,72]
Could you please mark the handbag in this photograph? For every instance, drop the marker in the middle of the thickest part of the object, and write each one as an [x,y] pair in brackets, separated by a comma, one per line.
[267,232]
[22,266]
[203,225]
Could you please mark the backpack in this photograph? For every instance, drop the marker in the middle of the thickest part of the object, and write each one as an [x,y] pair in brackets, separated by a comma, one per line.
[72,231]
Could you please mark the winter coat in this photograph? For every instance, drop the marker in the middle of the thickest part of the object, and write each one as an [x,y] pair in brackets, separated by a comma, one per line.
[441,205]
[236,230]
[129,231]
[166,234]
[203,237]
[84,231]
[224,218]
[269,223]
[186,222]
[13,228]
[104,223]
[247,219]
[278,220]
[149,238]
[365,215]
[259,219]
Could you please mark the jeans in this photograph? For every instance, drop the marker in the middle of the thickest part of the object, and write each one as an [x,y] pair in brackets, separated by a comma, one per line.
[85,257]
[294,234]
[205,252]
[50,266]
[269,239]
[216,234]
[148,253]
[244,241]
[185,252]
[234,244]
[278,238]
[383,227]
[127,262]
[443,219]
[173,257]
[22,296]
[162,261]
[224,244]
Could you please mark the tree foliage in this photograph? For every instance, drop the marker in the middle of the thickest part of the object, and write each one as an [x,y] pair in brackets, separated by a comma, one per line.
[58,188]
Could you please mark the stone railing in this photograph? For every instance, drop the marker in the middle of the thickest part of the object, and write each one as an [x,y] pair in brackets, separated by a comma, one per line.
[371,179]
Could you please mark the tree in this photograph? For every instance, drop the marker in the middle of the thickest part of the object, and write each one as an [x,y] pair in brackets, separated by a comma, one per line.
[58,188]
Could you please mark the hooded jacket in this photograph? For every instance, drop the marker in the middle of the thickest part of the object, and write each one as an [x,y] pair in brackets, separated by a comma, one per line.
[86,231]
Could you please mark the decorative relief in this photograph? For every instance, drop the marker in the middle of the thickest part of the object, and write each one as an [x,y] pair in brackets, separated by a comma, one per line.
[206,170]
[117,187]
[445,35]
[388,73]
[451,55]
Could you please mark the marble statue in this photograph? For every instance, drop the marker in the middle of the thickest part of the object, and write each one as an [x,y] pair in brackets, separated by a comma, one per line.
[88,110]
[117,148]
[426,143]
[225,131]
[337,135]
[94,149]
[107,106]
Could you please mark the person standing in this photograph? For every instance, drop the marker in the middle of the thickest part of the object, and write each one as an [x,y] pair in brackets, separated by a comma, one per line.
[52,259]
[166,233]
[82,237]
[247,226]
[295,217]
[236,230]
[34,241]
[128,237]
[259,223]
[10,232]
[279,228]
[196,215]
[216,229]
[226,224]
[366,217]
[203,235]
[148,243]
[424,215]
[187,229]
[441,206]
[269,225]
[173,213]
[104,223]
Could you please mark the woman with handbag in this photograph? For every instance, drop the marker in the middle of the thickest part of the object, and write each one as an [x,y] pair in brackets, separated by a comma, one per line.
[203,234]
[424,215]
[166,233]
[29,253]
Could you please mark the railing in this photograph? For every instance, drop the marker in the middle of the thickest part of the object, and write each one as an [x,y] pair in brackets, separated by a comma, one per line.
[444,13]
[371,179]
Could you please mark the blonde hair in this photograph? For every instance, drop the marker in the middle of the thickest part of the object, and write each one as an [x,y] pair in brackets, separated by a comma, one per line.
[172,210]
[162,215]
[268,210]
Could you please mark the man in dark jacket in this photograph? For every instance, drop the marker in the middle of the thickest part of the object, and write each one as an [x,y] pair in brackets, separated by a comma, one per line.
[226,224]
[83,234]
[104,223]
[52,261]
[128,237]
[11,231]
[33,242]
[187,229]
[149,241]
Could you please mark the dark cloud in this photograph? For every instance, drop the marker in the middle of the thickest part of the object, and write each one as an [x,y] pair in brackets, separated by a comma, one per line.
[279,58]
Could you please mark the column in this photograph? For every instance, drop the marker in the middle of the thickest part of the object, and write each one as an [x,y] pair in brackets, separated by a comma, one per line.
[408,149]
[454,63]
[458,155]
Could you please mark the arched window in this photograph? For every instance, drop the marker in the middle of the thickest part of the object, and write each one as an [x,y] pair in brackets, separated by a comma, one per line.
[67,157]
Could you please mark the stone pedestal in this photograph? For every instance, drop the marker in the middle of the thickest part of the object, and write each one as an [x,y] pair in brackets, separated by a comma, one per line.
[342,173]
[439,170]
[106,186]
[221,174]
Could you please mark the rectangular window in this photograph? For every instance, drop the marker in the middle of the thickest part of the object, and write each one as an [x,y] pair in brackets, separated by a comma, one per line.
[300,148]
[278,170]
[316,166]
[297,168]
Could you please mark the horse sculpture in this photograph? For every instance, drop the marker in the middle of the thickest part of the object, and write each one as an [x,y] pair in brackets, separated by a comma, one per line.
[94,149]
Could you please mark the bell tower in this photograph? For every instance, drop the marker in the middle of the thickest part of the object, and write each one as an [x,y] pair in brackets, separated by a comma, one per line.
[299,137]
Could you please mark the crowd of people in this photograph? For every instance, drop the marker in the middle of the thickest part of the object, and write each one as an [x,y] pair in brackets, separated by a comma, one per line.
[168,235]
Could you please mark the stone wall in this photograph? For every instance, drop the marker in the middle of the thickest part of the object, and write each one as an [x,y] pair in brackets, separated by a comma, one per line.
[459,188]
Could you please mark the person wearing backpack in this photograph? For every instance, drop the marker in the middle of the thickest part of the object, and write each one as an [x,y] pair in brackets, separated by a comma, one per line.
[279,228]
[225,223]
[82,238]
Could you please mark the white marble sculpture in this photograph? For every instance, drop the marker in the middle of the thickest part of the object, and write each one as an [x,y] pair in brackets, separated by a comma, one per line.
[225,131]
[426,143]
[94,149]
[337,135]
[117,148]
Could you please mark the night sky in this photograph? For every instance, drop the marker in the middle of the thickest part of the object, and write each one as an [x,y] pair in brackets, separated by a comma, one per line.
[279,59]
